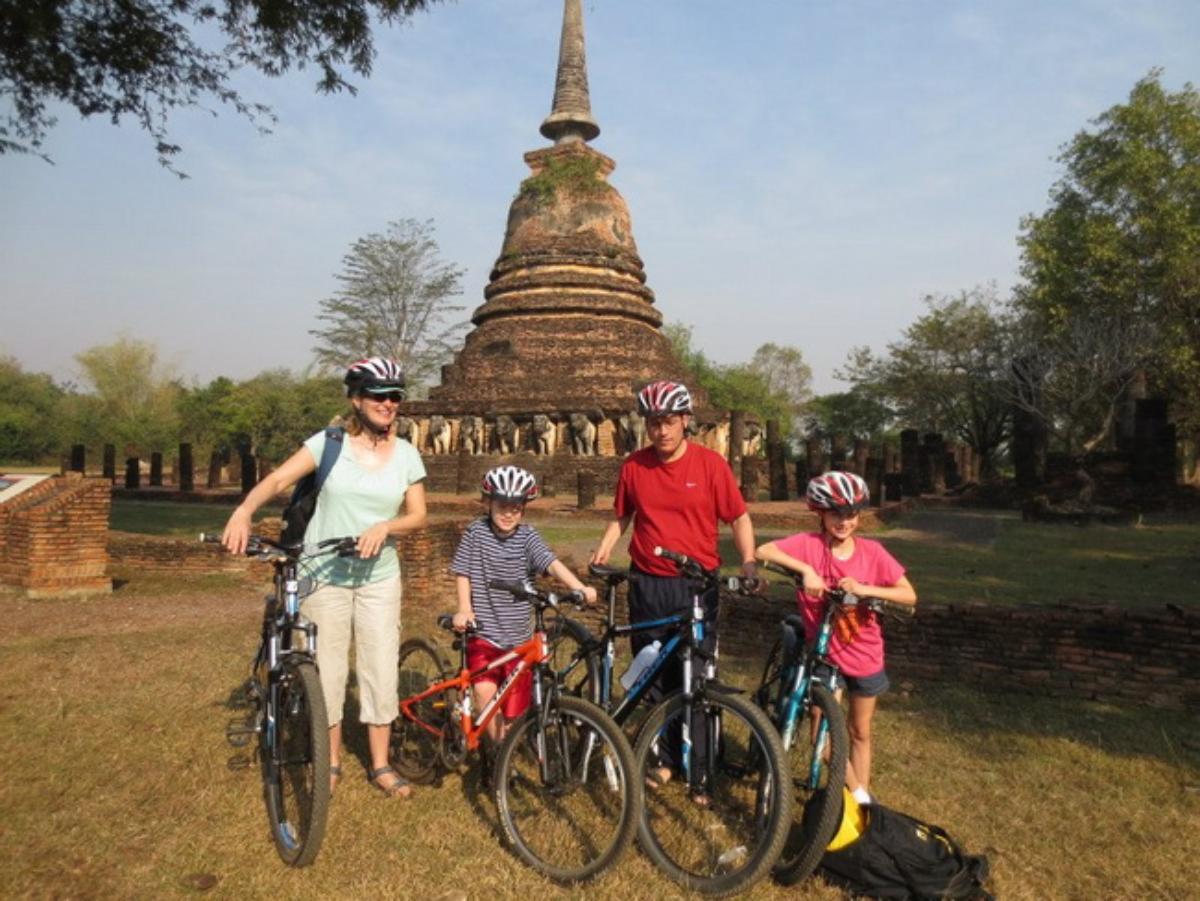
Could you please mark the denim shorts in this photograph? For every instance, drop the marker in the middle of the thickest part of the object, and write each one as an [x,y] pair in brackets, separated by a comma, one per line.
[871,686]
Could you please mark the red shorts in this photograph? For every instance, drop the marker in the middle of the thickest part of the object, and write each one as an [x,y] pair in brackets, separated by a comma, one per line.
[481,653]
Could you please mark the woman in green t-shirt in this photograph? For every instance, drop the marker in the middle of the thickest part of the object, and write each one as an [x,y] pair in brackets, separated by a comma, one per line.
[375,474]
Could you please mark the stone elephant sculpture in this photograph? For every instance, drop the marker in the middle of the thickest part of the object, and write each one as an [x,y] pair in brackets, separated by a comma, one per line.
[632,429]
[506,434]
[406,428]
[542,435]
[439,434]
[470,434]
[583,434]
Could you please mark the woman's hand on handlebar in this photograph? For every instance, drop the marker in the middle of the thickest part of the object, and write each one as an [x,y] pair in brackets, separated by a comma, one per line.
[371,542]
[237,532]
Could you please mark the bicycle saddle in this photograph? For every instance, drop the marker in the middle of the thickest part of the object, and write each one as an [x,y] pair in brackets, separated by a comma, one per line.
[609,573]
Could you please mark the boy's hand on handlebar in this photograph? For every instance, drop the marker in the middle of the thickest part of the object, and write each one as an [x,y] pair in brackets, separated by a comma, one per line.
[370,542]
[462,620]
[589,595]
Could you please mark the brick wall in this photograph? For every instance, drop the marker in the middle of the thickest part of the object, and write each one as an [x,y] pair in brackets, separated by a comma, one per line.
[53,537]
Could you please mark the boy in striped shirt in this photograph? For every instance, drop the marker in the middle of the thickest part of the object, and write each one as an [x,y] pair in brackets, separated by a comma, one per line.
[500,546]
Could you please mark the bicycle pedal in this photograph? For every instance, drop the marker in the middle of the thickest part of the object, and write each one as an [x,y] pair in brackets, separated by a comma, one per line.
[239,732]
[238,762]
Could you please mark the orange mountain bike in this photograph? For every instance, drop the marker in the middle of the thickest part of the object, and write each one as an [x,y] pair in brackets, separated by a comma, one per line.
[564,775]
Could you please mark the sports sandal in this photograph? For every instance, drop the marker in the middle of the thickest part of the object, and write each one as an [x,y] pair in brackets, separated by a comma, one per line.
[398,788]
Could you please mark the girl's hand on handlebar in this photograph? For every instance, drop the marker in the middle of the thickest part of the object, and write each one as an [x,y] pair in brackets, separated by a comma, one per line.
[370,542]
[851,585]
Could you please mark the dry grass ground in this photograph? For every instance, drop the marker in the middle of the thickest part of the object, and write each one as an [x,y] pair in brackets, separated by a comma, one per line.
[116,780]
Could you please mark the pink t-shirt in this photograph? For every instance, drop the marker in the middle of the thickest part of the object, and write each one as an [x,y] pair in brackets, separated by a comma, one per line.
[871,564]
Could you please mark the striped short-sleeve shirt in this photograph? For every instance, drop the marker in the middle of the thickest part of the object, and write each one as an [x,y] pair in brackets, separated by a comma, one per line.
[482,556]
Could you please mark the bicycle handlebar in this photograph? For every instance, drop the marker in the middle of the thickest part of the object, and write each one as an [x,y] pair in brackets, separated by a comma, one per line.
[258,546]
[527,592]
[846,599]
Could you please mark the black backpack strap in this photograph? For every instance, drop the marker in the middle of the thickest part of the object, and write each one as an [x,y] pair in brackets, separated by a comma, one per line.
[329,456]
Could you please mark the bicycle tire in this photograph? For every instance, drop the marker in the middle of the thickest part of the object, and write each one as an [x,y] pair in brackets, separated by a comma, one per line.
[568,638]
[818,803]
[576,824]
[415,752]
[296,769]
[733,840]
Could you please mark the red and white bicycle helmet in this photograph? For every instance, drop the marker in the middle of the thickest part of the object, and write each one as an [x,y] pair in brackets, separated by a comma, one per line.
[663,398]
[838,491]
[510,483]
[374,375]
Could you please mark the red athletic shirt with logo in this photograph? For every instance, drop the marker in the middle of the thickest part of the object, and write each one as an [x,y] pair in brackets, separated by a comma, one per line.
[860,654]
[676,505]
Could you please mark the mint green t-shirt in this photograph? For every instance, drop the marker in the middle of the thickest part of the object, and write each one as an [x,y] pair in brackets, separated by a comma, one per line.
[353,499]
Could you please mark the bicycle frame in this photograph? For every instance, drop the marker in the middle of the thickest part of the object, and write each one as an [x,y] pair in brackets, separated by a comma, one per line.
[531,653]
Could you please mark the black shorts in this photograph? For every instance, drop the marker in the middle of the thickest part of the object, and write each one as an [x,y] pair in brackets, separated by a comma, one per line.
[871,686]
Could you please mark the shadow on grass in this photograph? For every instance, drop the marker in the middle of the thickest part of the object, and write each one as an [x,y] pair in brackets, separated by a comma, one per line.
[982,721]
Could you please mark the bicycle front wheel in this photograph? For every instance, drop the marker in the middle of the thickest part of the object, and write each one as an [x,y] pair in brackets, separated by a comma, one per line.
[577,672]
[725,831]
[296,765]
[415,750]
[565,790]
[817,756]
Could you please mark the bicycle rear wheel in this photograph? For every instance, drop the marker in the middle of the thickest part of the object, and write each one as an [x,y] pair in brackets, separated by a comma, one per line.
[578,672]
[817,756]
[296,765]
[728,837]
[575,821]
[415,751]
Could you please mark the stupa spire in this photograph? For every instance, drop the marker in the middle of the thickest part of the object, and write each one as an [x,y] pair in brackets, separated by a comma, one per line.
[570,118]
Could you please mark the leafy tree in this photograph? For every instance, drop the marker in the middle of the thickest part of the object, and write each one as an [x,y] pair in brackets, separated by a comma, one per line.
[393,302]
[1120,239]
[133,401]
[1072,379]
[785,374]
[736,387]
[146,58]
[30,424]
[272,413]
[854,414]
[947,372]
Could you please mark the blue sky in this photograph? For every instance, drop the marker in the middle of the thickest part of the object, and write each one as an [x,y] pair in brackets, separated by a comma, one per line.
[797,172]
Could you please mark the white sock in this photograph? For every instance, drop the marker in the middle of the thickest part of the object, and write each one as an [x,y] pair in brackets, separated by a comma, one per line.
[862,796]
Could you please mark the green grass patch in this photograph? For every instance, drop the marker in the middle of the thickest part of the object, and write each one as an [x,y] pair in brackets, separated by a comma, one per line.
[130,792]
[176,519]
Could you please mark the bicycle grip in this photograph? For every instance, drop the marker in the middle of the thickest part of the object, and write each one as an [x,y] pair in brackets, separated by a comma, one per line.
[512,586]
[210,538]
[674,557]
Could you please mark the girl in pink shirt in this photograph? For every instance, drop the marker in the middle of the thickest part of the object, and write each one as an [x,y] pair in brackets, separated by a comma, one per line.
[836,558]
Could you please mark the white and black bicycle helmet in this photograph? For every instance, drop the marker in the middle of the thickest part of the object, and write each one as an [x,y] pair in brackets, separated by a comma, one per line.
[374,375]
[838,491]
[510,483]
[663,398]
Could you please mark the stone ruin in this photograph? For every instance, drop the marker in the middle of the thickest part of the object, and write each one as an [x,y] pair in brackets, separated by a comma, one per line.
[568,330]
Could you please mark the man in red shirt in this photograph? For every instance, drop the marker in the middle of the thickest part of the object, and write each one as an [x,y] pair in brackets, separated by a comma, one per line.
[674,492]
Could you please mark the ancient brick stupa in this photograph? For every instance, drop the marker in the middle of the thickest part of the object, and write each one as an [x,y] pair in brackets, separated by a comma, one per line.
[568,330]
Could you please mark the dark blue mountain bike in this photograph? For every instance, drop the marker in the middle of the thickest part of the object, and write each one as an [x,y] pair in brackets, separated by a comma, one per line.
[719,824]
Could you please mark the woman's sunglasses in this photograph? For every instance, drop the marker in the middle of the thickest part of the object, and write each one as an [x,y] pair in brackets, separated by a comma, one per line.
[394,396]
